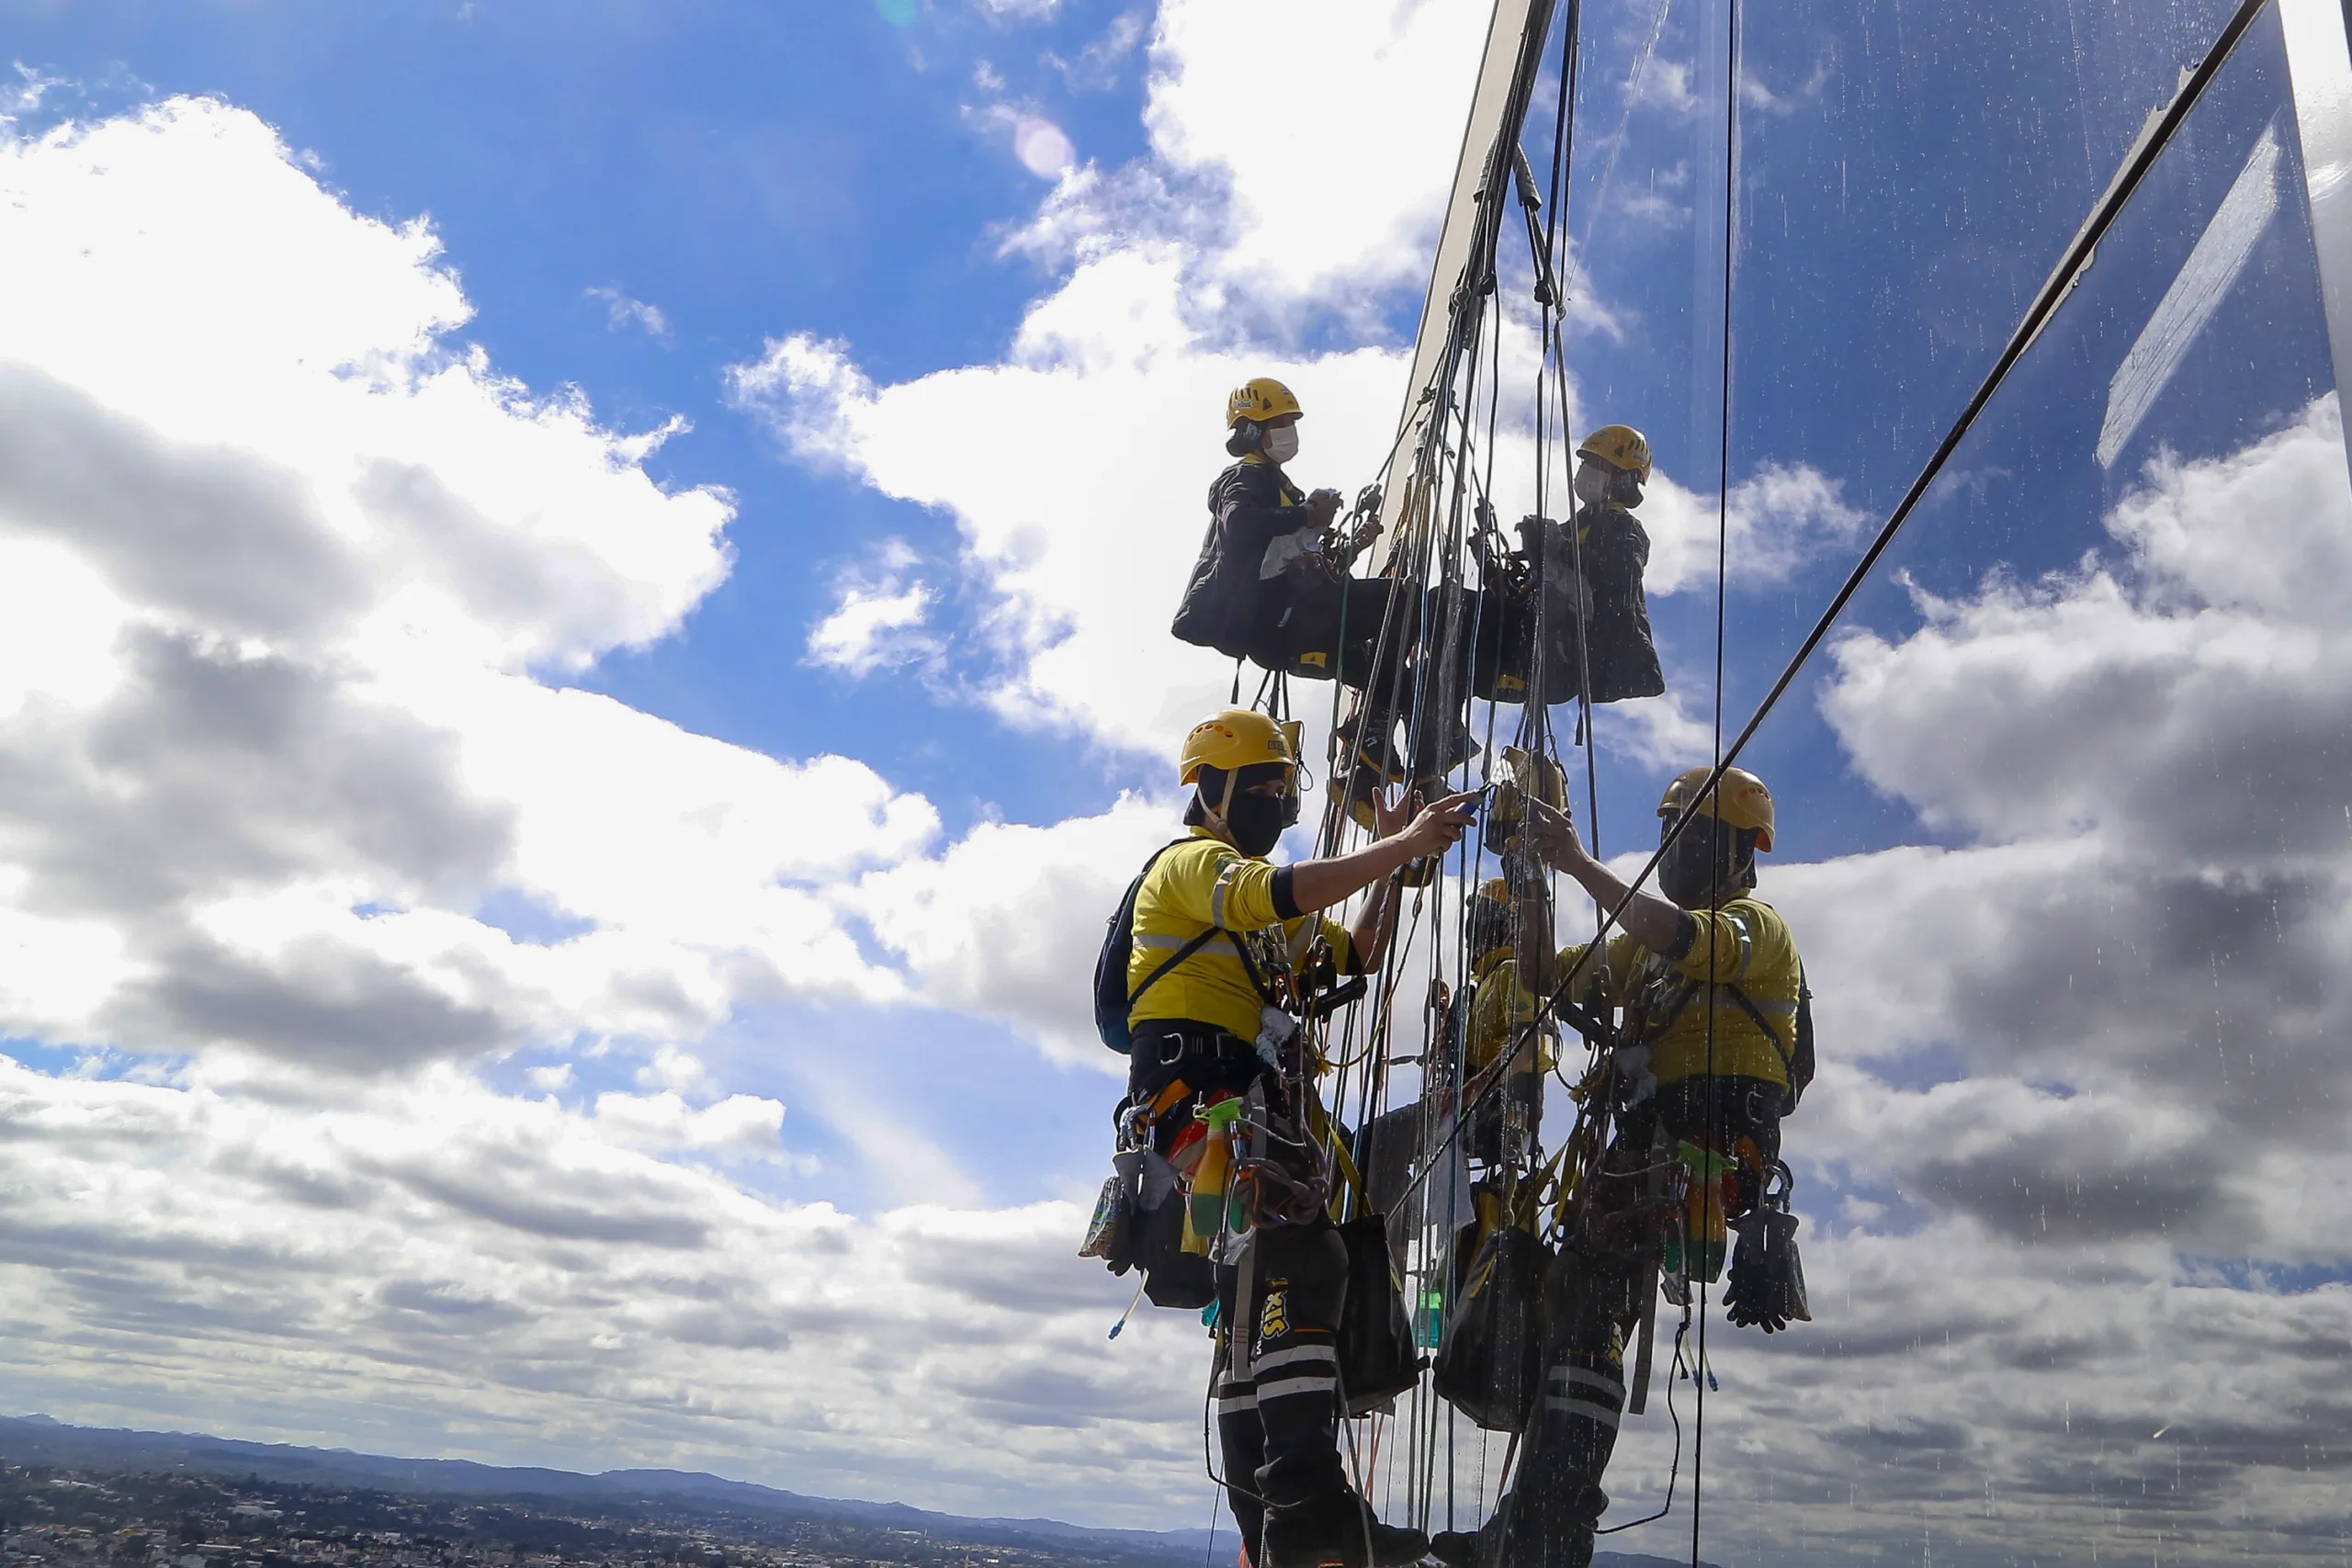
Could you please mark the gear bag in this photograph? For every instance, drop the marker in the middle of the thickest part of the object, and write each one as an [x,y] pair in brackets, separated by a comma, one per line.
[1491,1365]
[1113,1000]
[1377,1359]
[1171,1276]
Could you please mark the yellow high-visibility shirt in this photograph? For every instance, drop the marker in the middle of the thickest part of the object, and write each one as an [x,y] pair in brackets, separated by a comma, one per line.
[1745,944]
[1200,883]
[1500,1008]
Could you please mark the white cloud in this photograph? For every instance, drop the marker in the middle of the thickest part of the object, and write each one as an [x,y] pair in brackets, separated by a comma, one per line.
[1666,85]
[282,557]
[1350,195]
[674,1069]
[869,627]
[744,1124]
[1659,732]
[1007,922]
[623,312]
[1098,65]
[430,1267]
[1782,517]
[1077,567]
[2079,1072]
[286,568]
[879,617]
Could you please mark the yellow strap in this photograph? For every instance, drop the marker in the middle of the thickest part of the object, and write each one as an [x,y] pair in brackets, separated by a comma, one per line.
[1531,1197]
[1318,1121]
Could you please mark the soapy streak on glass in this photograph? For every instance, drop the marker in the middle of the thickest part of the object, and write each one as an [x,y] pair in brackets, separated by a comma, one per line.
[2204,280]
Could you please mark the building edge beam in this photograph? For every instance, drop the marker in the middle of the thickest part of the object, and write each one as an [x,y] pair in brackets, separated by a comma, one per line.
[2319,71]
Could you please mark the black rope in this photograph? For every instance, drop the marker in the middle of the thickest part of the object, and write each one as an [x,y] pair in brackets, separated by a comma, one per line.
[1679,1368]
[1710,1188]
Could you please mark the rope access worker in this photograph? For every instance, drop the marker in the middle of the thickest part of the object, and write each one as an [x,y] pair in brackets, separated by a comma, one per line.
[1503,1127]
[1244,931]
[1588,588]
[1717,1048]
[1271,582]
[1491,1010]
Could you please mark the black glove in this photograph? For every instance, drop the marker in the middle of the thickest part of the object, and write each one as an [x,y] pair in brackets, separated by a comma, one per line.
[1766,1288]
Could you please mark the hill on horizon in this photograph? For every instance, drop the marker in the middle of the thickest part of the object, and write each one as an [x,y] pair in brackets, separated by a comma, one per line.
[41,1439]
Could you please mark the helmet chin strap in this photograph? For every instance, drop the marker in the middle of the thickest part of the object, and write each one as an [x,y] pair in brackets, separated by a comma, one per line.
[1220,815]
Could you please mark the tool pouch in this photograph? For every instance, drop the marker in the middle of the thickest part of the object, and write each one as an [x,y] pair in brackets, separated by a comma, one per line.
[1139,1224]
[1490,1366]
[1378,1358]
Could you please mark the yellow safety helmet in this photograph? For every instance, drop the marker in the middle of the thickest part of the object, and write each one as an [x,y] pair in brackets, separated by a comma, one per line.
[1740,799]
[1232,740]
[1263,399]
[1620,446]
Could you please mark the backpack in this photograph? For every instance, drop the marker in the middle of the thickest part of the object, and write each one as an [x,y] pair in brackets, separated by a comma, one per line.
[1801,1060]
[1113,1000]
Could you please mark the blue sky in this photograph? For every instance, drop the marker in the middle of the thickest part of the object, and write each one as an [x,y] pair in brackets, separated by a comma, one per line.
[635,890]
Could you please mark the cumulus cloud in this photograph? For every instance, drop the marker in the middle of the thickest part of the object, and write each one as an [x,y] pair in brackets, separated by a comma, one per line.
[289,559]
[1077,567]
[1782,517]
[1007,922]
[2083,1074]
[1351,196]
[299,829]
[499,1278]
[879,615]
[664,1122]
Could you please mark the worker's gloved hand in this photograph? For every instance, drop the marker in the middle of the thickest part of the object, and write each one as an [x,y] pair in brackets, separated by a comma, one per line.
[1766,1288]
[1323,505]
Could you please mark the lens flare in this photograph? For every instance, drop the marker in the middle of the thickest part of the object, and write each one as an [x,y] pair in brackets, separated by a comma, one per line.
[1042,146]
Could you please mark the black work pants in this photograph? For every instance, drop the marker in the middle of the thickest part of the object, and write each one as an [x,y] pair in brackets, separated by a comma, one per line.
[1593,1297]
[1278,1405]
[1322,628]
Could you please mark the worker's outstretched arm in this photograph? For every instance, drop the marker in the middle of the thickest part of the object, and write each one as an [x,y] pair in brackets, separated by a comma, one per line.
[1657,923]
[1374,928]
[1319,884]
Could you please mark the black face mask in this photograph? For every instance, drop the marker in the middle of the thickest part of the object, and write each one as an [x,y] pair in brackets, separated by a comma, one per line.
[1696,872]
[1256,821]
